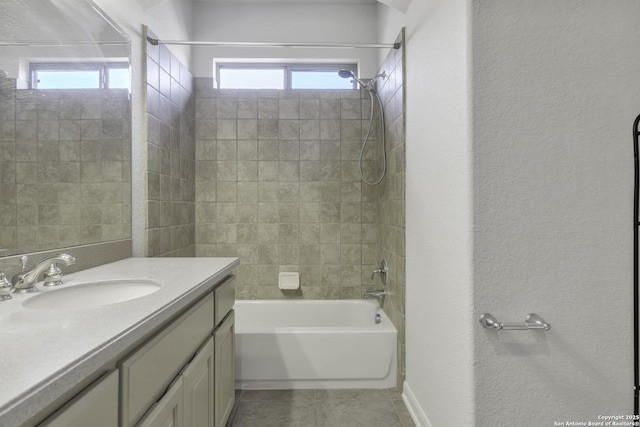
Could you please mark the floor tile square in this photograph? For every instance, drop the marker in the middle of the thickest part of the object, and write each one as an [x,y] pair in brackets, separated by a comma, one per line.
[274,414]
[356,413]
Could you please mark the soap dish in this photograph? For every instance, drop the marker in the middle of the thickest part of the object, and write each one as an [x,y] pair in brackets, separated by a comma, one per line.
[289,281]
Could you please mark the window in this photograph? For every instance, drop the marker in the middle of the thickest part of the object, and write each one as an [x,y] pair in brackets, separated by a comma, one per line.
[284,76]
[251,78]
[74,75]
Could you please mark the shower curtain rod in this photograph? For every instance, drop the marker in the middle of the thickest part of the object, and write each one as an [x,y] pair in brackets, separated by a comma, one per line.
[111,22]
[42,43]
[62,43]
[155,42]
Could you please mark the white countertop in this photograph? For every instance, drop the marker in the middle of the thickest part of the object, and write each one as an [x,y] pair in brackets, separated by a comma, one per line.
[44,354]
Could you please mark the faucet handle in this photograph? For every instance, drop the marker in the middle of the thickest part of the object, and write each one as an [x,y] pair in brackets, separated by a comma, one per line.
[52,275]
[5,287]
[382,271]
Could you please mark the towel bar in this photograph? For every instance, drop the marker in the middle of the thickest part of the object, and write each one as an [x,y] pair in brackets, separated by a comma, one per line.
[532,321]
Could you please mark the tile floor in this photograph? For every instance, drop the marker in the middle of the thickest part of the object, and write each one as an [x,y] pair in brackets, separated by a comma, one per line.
[319,408]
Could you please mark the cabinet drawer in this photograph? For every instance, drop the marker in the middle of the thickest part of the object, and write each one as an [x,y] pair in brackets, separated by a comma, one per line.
[225,298]
[147,372]
[97,406]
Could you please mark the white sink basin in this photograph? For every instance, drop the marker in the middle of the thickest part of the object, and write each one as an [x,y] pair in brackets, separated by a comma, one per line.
[91,295]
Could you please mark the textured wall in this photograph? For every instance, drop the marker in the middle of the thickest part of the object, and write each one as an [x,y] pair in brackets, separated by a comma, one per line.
[170,175]
[551,189]
[555,95]
[64,168]
[277,185]
[391,196]
[440,323]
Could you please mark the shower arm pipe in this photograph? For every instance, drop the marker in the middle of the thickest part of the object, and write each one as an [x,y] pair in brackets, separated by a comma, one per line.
[636,314]
[155,42]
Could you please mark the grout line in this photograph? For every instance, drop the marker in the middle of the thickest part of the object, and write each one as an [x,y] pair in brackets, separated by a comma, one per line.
[315,409]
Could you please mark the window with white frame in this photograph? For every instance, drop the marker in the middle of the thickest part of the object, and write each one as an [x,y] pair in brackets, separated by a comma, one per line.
[283,76]
[76,75]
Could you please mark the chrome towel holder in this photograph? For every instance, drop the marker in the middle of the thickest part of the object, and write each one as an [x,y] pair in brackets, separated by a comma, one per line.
[532,321]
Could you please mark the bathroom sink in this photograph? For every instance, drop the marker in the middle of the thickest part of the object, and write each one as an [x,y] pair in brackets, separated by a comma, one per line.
[93,294]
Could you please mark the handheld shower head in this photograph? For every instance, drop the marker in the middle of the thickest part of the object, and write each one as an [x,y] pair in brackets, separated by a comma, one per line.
[348,74]
[370,87]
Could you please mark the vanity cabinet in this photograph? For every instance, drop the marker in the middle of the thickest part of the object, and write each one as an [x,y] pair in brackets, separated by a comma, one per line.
[182,376]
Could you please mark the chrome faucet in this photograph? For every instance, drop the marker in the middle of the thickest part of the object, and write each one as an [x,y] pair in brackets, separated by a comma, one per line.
[379,294]
[5,288]
[383,271]
[26,281]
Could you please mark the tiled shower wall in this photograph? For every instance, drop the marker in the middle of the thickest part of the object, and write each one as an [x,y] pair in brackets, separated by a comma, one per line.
[391,197]
[170,177]
[64,168]
[277,184]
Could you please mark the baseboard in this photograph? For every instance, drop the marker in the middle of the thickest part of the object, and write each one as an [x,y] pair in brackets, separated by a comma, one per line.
[415,410]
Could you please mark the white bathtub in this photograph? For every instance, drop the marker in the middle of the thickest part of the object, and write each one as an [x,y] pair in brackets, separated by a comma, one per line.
[314,344]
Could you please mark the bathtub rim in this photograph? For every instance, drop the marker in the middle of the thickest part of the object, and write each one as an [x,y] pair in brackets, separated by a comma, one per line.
[386,325]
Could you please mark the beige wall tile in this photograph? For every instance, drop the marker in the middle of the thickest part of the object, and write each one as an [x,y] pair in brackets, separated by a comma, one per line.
[309,233]
[268,171]
[247,191]
[298,203]
[267,108]
[310,109]
[289,108]
[226,129]
[268,129]
[247,108]
[248,150]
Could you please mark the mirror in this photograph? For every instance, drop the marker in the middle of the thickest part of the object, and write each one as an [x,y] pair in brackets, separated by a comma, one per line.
[65,126]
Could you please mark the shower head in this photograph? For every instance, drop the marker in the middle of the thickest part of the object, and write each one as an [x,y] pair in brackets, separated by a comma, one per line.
[348,74]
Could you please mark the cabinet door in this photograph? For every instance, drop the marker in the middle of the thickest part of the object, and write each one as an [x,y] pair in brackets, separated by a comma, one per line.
[198,388]
[225,370]
[97,406]
[168,411]
[149,370]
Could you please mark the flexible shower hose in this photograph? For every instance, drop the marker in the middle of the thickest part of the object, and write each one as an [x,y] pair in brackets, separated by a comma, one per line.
[372,93]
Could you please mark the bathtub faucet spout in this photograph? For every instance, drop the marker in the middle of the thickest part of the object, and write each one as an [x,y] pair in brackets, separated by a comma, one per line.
[379,294]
